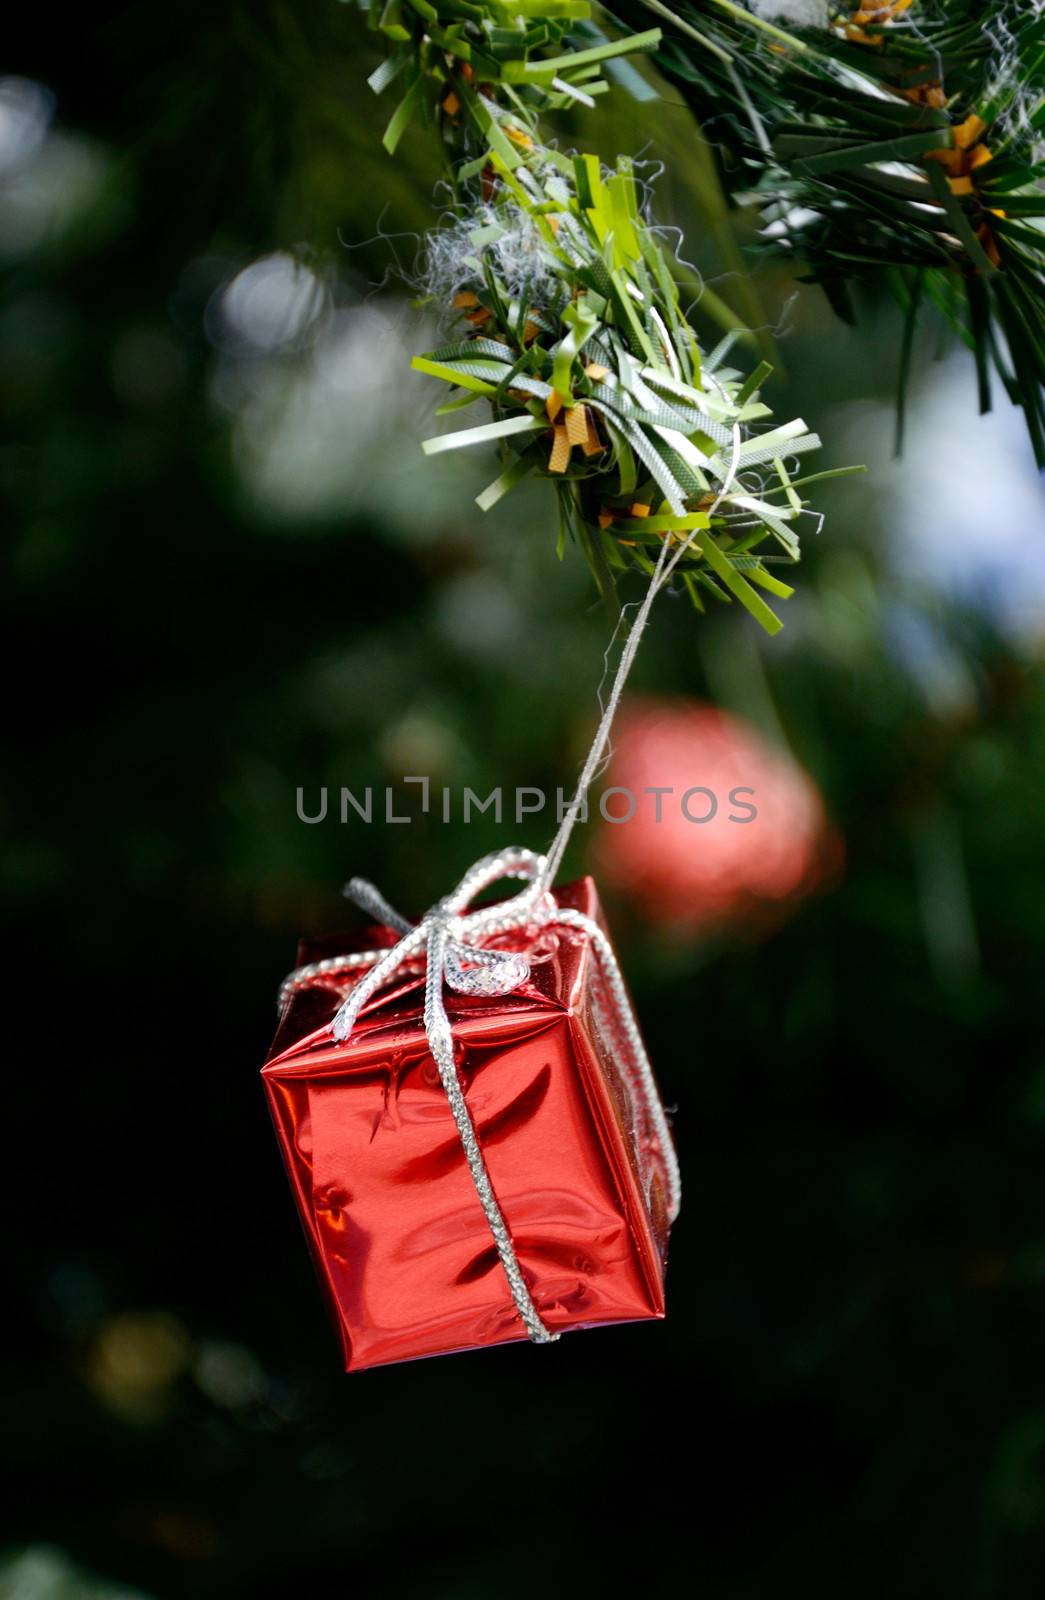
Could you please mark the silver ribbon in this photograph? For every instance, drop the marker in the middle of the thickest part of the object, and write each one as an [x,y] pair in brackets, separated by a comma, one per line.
[448,939]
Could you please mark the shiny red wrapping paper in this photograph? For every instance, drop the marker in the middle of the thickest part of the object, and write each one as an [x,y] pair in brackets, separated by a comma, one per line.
[400,1242]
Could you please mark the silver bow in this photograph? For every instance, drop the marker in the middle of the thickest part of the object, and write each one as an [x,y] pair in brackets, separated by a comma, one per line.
[449,934]
[447,938]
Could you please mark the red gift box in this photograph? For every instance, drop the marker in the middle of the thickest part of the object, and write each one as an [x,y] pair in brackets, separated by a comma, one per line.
[574,1149]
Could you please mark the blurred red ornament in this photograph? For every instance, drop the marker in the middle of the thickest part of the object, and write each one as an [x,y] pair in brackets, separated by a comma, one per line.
[737,831]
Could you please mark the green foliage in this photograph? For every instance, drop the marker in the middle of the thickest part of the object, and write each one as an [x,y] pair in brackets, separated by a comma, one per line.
[596,380]
[906,149]
[591,368]
[523,57]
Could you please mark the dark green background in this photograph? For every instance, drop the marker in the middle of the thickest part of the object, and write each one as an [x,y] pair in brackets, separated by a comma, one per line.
[848,1395]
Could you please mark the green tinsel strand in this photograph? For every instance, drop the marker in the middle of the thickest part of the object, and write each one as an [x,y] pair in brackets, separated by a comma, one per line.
[569,322]
[572,331]
[893,140]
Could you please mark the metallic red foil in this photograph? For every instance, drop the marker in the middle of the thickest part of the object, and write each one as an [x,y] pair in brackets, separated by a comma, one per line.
[398,1236]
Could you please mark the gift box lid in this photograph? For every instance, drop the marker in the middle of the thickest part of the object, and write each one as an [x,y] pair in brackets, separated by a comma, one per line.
[393,1019]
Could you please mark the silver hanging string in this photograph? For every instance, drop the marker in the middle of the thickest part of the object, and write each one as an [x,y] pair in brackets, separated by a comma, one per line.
[667,560]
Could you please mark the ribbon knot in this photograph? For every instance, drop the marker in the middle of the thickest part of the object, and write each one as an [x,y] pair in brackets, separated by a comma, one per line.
[450,936]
